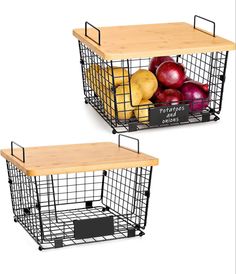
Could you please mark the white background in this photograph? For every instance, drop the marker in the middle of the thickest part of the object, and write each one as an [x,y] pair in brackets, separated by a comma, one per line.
[191,215]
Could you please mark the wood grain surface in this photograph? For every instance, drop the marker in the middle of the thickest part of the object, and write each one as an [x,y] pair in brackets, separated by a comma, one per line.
[152,40]
[77,158]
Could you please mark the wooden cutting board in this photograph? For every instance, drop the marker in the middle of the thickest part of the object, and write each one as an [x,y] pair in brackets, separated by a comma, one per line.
[137,41]
[77,158]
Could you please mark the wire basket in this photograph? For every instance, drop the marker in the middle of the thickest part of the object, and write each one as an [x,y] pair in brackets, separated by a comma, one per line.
[77,208]
[109,90]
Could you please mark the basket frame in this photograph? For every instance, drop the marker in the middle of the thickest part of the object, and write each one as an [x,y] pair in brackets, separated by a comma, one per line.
[209,68]
[47,208]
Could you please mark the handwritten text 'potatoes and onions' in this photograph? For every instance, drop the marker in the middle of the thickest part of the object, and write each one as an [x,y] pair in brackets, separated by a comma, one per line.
[171,114]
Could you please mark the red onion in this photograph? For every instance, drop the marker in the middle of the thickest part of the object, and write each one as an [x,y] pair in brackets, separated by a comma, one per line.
[169,97]
[195,95]
[204,87]
[156,61]
[171,74]
[154,98]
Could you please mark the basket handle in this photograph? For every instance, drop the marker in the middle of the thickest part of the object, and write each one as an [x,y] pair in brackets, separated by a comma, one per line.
[122,135]
[98,30]
[23,151]
[214,25]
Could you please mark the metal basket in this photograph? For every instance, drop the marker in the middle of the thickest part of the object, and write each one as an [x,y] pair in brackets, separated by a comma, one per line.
[102,79]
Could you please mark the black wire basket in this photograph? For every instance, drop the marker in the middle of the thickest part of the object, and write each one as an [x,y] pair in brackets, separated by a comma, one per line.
[109,90]
[83,207]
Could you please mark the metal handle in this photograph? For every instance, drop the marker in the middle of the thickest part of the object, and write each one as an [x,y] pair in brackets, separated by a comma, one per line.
[23,151]
[129,138]
[214,25]
[98,30]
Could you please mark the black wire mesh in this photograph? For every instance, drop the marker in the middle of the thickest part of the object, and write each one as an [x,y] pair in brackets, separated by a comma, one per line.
[127,191]
[24,201]
[208,68]
[46,206]
[107,87]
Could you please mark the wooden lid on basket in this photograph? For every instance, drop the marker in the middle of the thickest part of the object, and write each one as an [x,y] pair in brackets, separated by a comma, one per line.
[151,40]
[48,160]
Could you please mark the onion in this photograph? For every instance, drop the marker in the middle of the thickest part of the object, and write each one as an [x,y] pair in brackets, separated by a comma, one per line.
[204,87]
[195,95]
[169,97]
[171,74]
[154,98]
[156,61]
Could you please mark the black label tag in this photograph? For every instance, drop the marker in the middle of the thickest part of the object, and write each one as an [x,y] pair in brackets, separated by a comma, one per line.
[168,115]
[93,227]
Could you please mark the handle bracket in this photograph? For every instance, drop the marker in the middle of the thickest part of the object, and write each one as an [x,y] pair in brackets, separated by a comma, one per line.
[205,19]
[23,151]
[122,135]
[98,30]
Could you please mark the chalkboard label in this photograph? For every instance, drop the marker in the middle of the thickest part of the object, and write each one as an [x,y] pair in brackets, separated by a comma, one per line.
[168,115]
[95,227]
